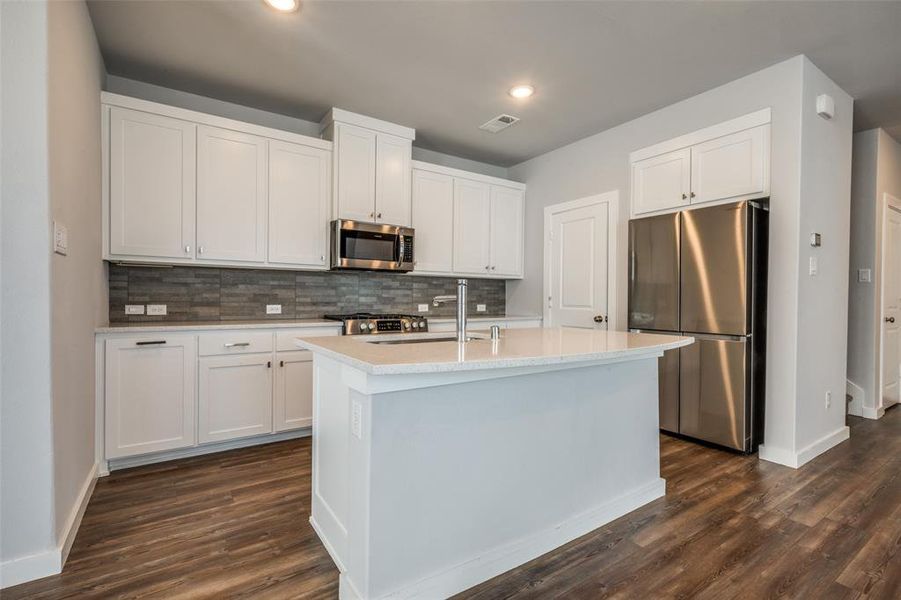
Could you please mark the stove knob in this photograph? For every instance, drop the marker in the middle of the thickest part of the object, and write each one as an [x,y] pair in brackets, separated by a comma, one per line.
[371,326]
[406,325]
[362,326]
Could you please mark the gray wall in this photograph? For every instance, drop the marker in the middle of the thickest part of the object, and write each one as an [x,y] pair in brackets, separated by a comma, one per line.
[876,172]
[78,280]
[155,93]
[600,163]
[26,460]
[212,294]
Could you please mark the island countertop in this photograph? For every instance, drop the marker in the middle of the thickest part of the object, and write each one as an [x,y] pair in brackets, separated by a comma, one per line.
[515,348]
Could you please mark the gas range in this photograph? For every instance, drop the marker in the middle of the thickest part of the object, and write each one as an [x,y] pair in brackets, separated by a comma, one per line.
[363,323]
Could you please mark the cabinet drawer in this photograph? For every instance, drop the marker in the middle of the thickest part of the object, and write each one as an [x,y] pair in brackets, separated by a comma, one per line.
[235,342]
[284,340]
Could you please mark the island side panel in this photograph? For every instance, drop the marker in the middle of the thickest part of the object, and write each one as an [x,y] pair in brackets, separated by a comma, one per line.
[470,480]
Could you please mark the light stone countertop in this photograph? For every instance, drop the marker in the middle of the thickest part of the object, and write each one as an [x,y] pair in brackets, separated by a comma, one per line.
[163,326]
[517,348]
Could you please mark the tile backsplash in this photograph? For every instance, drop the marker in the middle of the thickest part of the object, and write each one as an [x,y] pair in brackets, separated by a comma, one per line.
[213,294]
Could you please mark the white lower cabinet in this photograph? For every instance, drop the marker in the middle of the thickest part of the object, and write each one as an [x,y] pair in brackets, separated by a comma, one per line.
[293,401]
[235,396]
[150,394]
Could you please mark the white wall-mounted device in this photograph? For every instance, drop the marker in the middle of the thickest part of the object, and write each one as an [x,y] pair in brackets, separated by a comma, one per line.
[825,106]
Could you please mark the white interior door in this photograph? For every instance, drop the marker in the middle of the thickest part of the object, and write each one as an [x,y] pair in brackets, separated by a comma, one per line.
[577,238]
[891,303]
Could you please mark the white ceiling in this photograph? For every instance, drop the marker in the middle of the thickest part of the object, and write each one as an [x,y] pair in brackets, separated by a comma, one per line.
[444,67]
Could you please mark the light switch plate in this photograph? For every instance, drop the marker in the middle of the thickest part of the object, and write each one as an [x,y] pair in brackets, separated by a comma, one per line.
[60,238]
[156,309]
[864,276]
[481,308]
[423,308]
[273,309]
[134,309]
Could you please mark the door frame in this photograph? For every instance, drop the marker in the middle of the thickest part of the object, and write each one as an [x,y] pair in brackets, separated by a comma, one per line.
[889,202]
[611,199]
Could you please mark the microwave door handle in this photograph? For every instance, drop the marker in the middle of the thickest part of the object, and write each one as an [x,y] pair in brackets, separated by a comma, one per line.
[400,250]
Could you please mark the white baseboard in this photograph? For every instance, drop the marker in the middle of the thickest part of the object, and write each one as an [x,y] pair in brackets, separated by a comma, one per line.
[806,454]
[36,566]
[74,520]
[494,562]
[114,464]
[858,398]
[869,412]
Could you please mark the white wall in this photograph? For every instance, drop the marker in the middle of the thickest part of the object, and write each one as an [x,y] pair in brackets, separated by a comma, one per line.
[78,281]
[26,463]
[155,93]
[600,163]
[823,300]
[876,172]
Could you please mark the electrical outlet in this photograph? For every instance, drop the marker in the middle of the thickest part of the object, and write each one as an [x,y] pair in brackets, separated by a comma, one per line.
[134,309]
[864,275]
[813,266]
[273,309]
[156,309]
[481,308]
[356,420]
[828,400]
[423,308]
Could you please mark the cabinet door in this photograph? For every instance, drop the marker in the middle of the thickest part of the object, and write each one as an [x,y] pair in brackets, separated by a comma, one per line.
[392,181]
[235,396]
[733,166]
[506,231]
[472,214]
[151,178]
[293,403]
[149,394]
[355,172]
[231,195]
[661,182]
[299,191]
[433,216]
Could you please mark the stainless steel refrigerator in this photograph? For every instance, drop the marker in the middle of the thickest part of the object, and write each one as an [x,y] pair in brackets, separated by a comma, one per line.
[703,273]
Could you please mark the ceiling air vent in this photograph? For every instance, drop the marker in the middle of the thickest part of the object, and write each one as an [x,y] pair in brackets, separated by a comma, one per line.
[499,123]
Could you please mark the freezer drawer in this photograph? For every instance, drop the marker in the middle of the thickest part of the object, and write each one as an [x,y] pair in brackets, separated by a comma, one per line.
[715,268]
[668,382]
[714,391]
[654,273]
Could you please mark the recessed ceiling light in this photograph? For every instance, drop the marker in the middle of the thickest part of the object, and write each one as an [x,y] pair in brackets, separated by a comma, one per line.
[284,5]
[521,91]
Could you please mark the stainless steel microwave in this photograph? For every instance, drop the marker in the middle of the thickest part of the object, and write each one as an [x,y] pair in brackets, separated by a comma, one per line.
[371,246]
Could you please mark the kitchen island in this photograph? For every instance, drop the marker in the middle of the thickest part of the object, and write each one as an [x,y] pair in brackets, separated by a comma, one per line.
[438,464]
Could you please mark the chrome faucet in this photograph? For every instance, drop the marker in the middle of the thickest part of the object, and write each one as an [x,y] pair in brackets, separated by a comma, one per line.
[460,299]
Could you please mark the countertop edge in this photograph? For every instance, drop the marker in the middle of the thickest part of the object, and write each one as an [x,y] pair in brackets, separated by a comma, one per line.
[511,363]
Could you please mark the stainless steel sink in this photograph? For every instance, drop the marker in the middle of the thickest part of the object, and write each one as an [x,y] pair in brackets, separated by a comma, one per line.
[422,340]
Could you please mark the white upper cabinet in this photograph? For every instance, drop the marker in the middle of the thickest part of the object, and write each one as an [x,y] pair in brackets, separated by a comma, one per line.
[506,231]
[372,166]
[151,185]
[433,217]
[472,227]
[662,182]
[299,209]
[182,187]
[726,162]
[231,195]
[731,166]
[392,181]
[355,178]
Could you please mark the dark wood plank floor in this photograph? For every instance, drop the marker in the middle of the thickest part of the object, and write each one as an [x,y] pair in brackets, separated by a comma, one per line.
[235,525]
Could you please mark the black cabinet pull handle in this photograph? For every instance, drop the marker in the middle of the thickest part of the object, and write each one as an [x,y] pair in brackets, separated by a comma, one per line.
[281,363]
[268,364]
[153,343]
